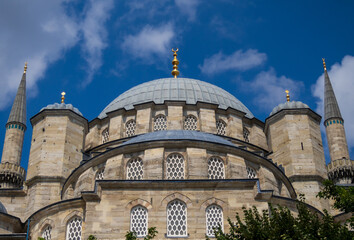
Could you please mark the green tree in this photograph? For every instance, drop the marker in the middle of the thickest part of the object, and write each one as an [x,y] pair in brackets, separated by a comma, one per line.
[280,223]
[151,234]
[91,237]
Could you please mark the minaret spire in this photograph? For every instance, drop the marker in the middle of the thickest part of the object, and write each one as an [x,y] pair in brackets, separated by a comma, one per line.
[18,110]
[331,108]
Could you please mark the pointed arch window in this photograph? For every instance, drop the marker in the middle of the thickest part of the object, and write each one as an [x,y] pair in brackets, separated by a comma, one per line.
[220,127]
[73,228]
[246,135]
[214,219]
[47,232]
[100,174]
[135,169]
[175,166]
[139,221]
[216,168]
[251,173]
[160,123]
[190,123]
[176,219]
[130,127]
[105,135]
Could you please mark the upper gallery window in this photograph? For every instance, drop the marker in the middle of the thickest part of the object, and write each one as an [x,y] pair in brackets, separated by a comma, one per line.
[175,166]
[73,229]
[220,127]
[190,123]
[130,128]
[135,169]
[246,135]
[251,173]
[139,221]
[160,123]
[100,174]
[47,233]
[176,219]
[105,135]
[214,219]
[216,169]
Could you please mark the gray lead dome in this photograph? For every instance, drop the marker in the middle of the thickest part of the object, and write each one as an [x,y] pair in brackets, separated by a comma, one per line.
[186,90]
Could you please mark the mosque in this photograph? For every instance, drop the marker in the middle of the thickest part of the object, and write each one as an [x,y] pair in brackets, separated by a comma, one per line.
[178,154]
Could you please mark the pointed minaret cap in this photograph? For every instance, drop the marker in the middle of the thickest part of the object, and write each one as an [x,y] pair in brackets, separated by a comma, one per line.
[331,108]
[18,110]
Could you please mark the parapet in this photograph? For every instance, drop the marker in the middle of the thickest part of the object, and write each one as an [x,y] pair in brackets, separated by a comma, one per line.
[341,171]
[11,175]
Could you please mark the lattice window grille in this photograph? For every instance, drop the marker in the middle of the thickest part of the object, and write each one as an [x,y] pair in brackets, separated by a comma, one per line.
[176,219]
[246,135]
[135,169]
[139,221]
[130,128]
[47,233]
[160,123]
[73,231]
[216,169]
[220,127]
[175,166]
[214,219]
[100,174]
[105,136]
[190,123]
[251,173]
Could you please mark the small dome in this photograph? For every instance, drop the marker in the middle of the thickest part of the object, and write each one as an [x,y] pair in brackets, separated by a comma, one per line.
[62,106]
[288,105]
[186,90]
[174,135]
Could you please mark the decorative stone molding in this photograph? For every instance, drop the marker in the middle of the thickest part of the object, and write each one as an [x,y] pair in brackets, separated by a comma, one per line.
[137,202]
[11,175]
[179,196]
[341,171]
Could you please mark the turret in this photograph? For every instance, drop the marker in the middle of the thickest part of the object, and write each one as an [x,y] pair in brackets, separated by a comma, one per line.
[341,168]
[294,137]
[11,174]
[56,150]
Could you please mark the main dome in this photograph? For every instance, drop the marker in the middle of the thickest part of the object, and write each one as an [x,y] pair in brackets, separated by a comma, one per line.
[187,90]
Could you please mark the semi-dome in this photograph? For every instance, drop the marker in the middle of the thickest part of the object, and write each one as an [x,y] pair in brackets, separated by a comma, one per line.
[288,105]
[62,106]
[187,90]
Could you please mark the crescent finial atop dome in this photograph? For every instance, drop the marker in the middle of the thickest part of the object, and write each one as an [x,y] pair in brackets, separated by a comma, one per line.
[175,63]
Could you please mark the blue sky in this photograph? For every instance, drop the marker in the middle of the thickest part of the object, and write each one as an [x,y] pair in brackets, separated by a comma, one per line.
[96,50]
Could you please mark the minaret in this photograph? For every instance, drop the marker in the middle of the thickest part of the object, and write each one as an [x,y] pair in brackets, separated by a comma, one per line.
[11,174]
[341,168]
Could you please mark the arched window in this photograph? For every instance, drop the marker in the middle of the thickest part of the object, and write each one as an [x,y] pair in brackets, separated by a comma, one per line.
[190,123]
[175,166]
[214,219]
[160,123]
[105,135]
[100,174]
[246,135]
[251,173]
[220,127]
[216,169]
[176,219]
[135,170]
[130,128]
[139,221]
[47,232]
[73,229]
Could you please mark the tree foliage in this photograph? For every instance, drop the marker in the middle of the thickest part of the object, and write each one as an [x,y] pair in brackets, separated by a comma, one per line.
[152,232]
[279,223]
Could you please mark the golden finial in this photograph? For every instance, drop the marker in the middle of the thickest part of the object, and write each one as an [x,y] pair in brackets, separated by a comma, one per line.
[324,64]
[175,63]
[287,96]
[62,97]
[25,68]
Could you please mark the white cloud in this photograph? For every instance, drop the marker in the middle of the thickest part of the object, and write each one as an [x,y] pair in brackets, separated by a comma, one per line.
[34,31]
[239,60]
[268,89]
[342,78]
[95,34]
[188,8]
[149,41]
